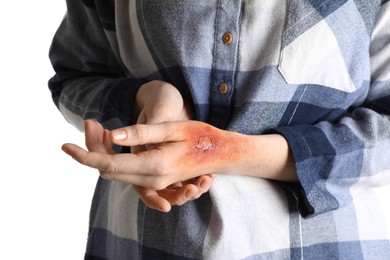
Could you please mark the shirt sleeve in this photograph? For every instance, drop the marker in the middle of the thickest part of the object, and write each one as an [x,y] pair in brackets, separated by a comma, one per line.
[332,158]
[90,81]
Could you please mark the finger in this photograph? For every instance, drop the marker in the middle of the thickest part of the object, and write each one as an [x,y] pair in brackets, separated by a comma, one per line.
[141,134]
[79,154]
[125,168]
[180,195]
[107,142]
[152,199]
[204,182]
[89,158]
[94,135]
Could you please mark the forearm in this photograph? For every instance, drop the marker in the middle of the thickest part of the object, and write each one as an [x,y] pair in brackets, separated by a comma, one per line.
[263,156]
[270,158]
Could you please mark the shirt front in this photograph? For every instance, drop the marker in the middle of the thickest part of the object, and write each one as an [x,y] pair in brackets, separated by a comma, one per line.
[314,71]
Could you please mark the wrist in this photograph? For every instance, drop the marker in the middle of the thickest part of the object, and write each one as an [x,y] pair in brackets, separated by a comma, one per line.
[158,101]
[263,156]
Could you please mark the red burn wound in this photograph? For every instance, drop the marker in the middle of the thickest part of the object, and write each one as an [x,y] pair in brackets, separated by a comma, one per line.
[204,144]
[209,147]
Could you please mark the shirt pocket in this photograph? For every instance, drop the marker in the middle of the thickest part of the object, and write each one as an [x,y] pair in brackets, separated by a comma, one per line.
[319,47]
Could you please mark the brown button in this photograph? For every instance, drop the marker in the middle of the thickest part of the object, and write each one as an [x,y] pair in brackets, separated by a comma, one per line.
[223,88]
[227,38]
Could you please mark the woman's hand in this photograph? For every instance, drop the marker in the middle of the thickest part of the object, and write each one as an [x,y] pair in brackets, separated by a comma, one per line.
[170,156]
[165,174]
[157,102]
[178,152]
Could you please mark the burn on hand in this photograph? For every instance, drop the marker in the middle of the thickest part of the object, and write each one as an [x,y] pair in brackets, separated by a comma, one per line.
[204,144]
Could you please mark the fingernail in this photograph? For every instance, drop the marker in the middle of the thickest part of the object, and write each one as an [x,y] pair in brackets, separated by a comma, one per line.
[119,135]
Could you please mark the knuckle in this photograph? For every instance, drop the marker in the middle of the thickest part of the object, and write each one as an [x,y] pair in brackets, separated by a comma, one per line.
[161,169]
[140,131]
[108,170]
[161,179]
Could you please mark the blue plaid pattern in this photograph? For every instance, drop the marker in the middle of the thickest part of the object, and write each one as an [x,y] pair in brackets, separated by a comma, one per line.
[315,71]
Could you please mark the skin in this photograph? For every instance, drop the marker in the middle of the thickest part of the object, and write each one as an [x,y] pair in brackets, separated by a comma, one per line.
[173,156]
[157,102]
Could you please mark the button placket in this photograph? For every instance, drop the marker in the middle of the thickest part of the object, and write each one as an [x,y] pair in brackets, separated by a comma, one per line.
[224,61]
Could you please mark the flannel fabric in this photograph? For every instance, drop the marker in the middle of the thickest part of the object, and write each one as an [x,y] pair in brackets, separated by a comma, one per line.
[315,71]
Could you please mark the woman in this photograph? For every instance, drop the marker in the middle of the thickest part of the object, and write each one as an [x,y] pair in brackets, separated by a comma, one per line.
[289,104]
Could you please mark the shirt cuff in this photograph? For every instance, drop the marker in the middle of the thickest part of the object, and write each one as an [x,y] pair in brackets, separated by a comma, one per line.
[314,157]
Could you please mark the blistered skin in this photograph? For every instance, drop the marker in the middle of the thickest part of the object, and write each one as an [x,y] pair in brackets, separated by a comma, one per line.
[211,147]
[205,144]
[206,139]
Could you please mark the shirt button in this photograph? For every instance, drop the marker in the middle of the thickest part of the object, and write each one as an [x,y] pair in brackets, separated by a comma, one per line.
[227,38]
[223,88]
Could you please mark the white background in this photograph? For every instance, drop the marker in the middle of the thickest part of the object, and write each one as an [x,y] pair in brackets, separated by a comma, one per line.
[44,195]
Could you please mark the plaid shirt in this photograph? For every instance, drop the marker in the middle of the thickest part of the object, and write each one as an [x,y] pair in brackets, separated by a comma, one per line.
[315,71]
